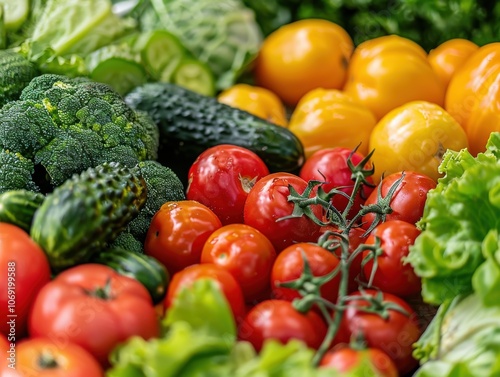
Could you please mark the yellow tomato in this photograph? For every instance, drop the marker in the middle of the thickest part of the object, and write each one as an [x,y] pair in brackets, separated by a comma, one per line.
[257,101]
[449,56]
[473,95]
[414,137]
[326,118]
[302,56]
[389,71]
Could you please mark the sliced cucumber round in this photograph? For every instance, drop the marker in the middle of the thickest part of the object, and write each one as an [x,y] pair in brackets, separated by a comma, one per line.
[15,13]
[121,74]
[161,52]
[194,75]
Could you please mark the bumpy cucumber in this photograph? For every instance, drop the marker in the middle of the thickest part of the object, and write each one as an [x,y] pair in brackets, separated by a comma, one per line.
[86,212]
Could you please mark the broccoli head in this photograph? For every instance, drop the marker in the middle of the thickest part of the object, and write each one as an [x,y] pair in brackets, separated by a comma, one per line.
[66,125]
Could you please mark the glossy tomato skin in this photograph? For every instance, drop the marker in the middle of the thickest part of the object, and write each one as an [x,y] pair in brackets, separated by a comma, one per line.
[408,200]
[221,178]
[328,118]
[449,56]
[394,336]
[70,309]
[268,202]
[301,56]
[392,274]
[246,253]
[42,357]
[256,100]
[289,266]
[382,69]
[27,270]
[178,232]
[330,165]
[278,320]
[346,359]
[224,279]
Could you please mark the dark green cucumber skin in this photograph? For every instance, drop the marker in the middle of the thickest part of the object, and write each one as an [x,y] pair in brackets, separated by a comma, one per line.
[16,73]
[86,212]
[190,123]
[143,268]
[17,207]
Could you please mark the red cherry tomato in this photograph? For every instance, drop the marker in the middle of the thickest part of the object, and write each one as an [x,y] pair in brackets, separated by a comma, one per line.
[392,274]
[268,202]
[246,253]
[227,283]
[394,335]
[372,360]
[221,178]
[178,232]
[25,270]
[278,320]
[86,305]
[289,266]
[330,165]
[42,357]
[408,200]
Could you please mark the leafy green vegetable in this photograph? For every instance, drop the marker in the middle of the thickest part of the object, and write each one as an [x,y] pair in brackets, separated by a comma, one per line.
[467,342]
[78,26]
[200,341]
[222,34]
[458,216]
[367,19]
[61,126]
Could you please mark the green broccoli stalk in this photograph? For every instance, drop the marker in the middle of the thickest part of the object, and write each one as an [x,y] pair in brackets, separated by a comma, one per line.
[63,126]
[163,185]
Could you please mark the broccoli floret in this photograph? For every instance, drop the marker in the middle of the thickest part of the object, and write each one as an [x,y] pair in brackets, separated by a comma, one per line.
[66,125]
[128,242]
[163,185]
[15,172]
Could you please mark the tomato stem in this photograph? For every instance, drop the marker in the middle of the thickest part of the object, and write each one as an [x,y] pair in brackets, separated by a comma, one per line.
[47,361]
[309,285]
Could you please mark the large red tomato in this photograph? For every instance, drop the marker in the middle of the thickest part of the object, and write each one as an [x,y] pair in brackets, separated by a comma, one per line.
[266,205]
[224,279]
[408,200]
[289,266]
[221,178]
[330,165]
[278,320]
[395,335]
[246,253]
[41,357]
[178,232]
[392,275]
[95,307]
[25,270]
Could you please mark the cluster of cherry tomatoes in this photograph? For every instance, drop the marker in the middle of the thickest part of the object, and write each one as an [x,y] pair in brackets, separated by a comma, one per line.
[237,227]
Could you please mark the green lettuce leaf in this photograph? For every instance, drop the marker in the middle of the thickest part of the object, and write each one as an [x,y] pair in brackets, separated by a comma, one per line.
[458,215]
[205,308]
[199,324]
[469,345]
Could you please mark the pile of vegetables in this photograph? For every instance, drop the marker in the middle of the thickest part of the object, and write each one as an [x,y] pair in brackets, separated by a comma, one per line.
[246,188]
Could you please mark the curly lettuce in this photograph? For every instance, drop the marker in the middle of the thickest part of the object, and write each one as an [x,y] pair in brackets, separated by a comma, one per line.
[459,214]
